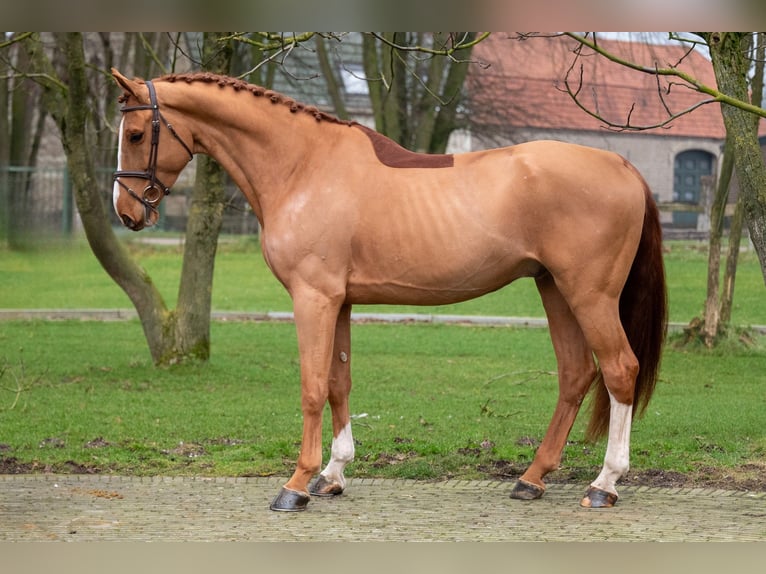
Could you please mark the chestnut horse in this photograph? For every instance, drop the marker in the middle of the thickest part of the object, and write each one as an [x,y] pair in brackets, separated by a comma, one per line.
[349,217]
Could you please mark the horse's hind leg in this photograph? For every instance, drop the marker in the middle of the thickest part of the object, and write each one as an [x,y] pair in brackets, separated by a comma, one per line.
[600,318]
[619,367]
[576,371]
[331,480]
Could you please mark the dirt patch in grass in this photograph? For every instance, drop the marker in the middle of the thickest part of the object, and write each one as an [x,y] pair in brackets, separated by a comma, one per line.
[385,459]
[11,465]
[745,477]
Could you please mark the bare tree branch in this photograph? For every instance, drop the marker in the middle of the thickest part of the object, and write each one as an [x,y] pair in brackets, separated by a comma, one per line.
[448,52]
[281,45]
[15,39]
[625,125]
[152,53]
[689,81]
[271,40]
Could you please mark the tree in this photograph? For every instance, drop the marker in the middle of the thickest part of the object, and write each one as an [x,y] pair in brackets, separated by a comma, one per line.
[172,335]
[719,301]
[731,70]
[191,319]
[710,327]
[67,103]
[19,140]
[416,84]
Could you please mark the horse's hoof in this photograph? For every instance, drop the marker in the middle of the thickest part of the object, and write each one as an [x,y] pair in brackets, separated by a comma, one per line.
[323,487]
[597,498]
[526,491]
[290,501]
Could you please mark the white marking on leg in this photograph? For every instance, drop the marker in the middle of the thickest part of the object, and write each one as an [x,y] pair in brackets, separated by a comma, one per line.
[116,186]
[341,453]
[617,458]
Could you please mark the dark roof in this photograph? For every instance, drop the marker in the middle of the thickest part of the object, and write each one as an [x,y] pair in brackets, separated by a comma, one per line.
[523,86]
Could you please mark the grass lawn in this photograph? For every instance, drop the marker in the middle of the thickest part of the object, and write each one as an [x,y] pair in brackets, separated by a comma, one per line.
[69,277]
[429,401]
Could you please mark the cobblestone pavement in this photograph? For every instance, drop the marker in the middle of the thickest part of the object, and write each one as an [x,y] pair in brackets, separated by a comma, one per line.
[89,508]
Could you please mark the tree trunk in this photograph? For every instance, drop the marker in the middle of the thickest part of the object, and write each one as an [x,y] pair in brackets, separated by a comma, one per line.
[392,72]
[23,101]
[446,119]
[191,319]
[103,95]
[371,64]
[5,148]
[428,103]
[730,274]
[333,86]
[730,67]
[735,229]
[718,207]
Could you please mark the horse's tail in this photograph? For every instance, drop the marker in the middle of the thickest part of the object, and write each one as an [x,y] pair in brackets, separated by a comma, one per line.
[643,312]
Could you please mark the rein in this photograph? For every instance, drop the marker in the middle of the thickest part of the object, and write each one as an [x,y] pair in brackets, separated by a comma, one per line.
[155,189]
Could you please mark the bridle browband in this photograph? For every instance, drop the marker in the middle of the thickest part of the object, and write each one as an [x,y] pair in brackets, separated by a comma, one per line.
[155,189]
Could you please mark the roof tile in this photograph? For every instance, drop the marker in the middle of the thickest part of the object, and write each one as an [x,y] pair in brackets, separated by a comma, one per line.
[524,86]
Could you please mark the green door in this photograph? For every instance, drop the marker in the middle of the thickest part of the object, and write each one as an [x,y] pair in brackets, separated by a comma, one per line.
[689,167]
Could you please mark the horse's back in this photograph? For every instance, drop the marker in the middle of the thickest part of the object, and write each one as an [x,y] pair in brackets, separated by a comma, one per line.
[551,189]
[559,166]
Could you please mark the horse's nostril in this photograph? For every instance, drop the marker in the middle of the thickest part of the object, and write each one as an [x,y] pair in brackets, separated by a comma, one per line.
[127,221]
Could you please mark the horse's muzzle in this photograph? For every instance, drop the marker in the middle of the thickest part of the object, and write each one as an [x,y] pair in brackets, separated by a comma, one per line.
[130,223]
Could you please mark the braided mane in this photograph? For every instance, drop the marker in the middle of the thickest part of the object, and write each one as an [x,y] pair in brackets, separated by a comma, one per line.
[258,91]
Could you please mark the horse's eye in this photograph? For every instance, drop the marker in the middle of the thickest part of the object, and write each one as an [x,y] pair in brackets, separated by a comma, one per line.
[136,137]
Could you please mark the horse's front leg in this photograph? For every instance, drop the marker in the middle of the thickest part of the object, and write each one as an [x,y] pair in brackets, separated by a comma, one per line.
[315,319]
[331,481]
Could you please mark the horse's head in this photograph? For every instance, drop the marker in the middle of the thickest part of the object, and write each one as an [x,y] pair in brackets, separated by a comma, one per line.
[147,164]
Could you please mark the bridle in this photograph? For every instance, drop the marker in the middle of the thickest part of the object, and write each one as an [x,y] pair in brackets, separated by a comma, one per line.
[155,190]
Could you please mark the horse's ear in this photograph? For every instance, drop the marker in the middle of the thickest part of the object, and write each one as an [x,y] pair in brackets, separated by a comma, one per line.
[129,86]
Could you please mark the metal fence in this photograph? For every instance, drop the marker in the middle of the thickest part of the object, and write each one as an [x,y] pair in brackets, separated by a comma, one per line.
[38,201]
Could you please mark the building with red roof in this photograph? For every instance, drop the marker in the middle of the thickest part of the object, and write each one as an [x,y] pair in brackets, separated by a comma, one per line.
[521,95]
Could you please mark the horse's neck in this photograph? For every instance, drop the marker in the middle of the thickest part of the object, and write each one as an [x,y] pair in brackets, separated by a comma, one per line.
[252,141]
